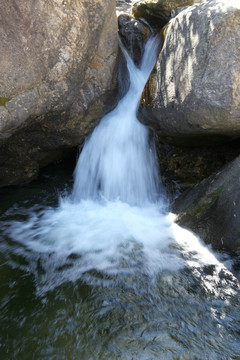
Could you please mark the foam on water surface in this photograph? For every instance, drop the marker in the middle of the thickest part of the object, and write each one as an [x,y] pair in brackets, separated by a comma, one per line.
[115,220]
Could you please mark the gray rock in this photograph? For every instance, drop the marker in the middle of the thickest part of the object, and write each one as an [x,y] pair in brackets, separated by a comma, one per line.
[57,75]
[134,35]
[212,208]
[194,93]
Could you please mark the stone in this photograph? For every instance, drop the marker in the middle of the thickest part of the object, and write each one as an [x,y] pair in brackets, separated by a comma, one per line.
[58,75]
[182,167]
[158,12]
[212,208]
[193,96]
[134,35]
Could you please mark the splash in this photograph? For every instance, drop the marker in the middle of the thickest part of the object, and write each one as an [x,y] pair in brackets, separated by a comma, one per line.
[115,220]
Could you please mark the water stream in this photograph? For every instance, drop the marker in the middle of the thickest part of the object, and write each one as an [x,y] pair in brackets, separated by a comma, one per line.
[101,271]
[124,6]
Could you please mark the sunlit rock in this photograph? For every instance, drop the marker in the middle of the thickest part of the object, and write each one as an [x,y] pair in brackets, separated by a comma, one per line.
[57,73]
[193,96]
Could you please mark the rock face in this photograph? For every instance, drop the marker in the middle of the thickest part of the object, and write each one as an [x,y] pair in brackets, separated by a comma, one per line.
[194,94]
[182,167]
[134,35]
[158,12]
[212,208]
[57,71]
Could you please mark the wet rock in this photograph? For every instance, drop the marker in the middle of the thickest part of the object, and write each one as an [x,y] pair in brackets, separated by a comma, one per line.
[212,208]
[134,35]
[193,96]
[159,12]
[57,77]
[183,167]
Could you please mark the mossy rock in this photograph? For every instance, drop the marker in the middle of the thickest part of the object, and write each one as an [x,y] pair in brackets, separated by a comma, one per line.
[4,100]
[206,203]
[157,13]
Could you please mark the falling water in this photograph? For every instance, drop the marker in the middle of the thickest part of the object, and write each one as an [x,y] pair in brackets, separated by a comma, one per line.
[117,207]
[106,273]
[117,161]
[115,219]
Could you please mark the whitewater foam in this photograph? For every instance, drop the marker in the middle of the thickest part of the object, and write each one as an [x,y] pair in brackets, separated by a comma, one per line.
[115,220]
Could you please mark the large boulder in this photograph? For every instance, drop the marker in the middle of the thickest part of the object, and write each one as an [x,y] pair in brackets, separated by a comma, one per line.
[193,96]
[57,74]
[212,208]
[158,12]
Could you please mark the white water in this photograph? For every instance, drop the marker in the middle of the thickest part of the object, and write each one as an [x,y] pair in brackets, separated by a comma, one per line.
[117,161]
[115,219]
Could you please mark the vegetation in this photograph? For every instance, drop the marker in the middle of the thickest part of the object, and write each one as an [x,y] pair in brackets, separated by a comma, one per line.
[3,101]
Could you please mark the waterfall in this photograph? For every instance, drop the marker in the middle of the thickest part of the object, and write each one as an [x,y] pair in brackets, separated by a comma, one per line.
[115,219]
[118,161]
[105,273]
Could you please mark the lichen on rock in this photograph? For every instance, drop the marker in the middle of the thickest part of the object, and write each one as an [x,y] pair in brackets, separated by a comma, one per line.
[4,100]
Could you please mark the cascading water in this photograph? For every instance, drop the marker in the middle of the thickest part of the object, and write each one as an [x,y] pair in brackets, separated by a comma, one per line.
[106,274]
[115,219]
[117,161]
[116,203]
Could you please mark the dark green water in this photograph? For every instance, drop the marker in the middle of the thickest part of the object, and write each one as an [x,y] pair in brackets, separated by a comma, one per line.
[189,314]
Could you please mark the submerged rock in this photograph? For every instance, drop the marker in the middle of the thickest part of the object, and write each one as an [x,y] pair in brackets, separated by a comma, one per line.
[212,208]
[193,96]
[57,73]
